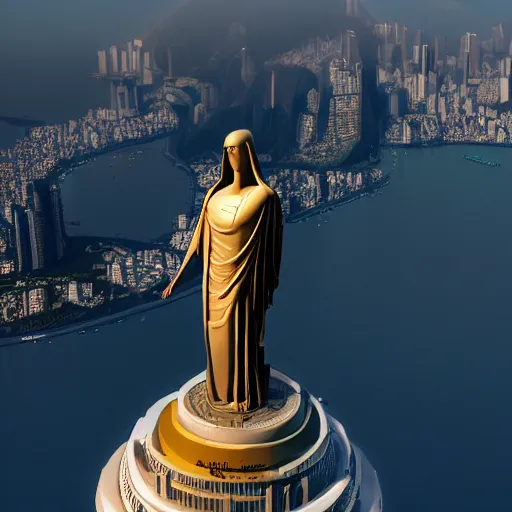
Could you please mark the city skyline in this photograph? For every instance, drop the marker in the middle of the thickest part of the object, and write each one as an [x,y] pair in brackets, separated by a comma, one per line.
[394,297]
[423,109]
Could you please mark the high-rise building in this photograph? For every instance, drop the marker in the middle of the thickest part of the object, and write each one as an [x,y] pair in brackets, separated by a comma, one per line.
[422,87]
[313,101]
[124,61]
[352,8]
[137,64]
[425,60]
[36,230]
[22,236]
[418,38]
[505,89]
[411,84]
[470,43]
[46,224]
[440,44]
[73,292]
[38,301]
[386,33]
[402,41]
[129,52]
[306,129]
[398,103]
[114,59]
[350,50]
[416,55]
[147,73]
[466,72]
[102,62]
[57,224]
[200,114]
[247,68]
[498,39]
[505,66]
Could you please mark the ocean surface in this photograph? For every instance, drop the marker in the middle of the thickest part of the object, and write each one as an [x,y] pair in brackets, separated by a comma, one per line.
[134,193]
[396,309]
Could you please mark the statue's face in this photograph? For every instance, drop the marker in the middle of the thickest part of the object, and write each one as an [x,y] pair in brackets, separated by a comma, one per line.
[237,157]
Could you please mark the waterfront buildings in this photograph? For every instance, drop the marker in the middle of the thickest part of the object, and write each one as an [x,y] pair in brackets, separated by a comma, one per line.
[445,93]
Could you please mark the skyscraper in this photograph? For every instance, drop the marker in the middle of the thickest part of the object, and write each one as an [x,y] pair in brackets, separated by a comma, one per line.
[57,221]
[466,72]
[439,51]
[129,53]
[498,39]
[416,55]
[124,61]
[352,8]
[102,62]
[46,224]
[114,59]
[22,236]
[147,72]
[385,32]
[425,60]
[470,43]
[418,39]
[137,65]
[350,50]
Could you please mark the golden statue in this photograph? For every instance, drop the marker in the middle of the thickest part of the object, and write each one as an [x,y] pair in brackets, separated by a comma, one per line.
[239,239]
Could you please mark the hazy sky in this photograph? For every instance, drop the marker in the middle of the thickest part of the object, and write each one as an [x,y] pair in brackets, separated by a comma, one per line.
[51,45]
[444,16]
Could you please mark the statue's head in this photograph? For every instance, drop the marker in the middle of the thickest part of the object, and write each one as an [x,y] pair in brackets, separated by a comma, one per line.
[236,149]
[239,156]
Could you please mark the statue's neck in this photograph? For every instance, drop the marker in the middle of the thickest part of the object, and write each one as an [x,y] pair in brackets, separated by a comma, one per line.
[240,183]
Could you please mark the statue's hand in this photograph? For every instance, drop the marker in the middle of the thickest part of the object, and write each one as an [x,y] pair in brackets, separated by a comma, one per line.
[167,292]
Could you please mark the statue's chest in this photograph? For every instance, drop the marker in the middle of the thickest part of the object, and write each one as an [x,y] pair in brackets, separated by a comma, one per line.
[229,212]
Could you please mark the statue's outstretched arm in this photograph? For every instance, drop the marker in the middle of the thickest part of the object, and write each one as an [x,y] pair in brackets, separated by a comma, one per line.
[193,250]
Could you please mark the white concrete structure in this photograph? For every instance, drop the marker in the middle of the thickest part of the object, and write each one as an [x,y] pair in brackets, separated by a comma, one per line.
[326,474]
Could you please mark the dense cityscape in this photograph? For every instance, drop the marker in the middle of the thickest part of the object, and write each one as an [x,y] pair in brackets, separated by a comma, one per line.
[435,96]
[49,278]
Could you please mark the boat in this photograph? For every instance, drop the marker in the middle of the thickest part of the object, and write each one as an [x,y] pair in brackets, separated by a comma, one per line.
[480,160]
[81,332]
[33,337]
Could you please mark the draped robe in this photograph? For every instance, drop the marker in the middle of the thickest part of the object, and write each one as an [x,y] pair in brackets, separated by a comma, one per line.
[239,279]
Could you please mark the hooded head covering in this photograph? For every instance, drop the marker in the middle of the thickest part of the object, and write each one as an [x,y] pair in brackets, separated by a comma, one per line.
[241,139]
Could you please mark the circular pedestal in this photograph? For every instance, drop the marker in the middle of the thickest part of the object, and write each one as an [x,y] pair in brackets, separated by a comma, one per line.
[283,414]
[290,455]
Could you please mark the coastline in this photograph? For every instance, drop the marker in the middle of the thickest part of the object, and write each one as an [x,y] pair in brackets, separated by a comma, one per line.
[325,207]
[67,165]
[99,318]
[439,143]
[48,335]
[180,164]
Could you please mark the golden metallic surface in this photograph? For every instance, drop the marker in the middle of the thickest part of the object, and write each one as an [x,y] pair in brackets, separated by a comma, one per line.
[239,239]
[177,444]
